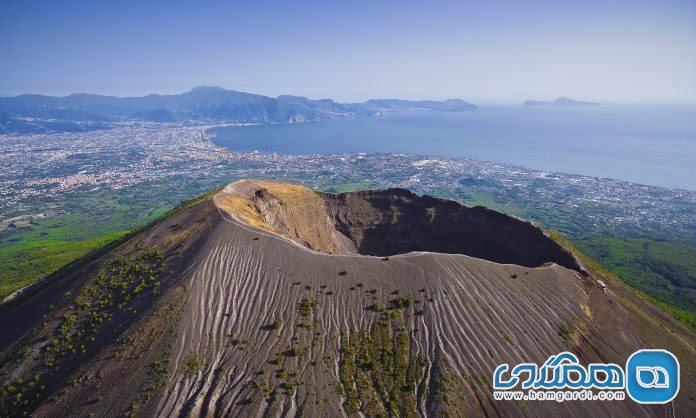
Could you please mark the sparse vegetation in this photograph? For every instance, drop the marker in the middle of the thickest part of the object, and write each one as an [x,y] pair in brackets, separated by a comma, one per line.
[378,377]
[448,389]
[116,286]
[400,303]
[307,306]
[376,307]
[192,365]
[565,330]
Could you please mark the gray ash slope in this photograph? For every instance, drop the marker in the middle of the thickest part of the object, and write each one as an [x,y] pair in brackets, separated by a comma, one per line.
[248,321]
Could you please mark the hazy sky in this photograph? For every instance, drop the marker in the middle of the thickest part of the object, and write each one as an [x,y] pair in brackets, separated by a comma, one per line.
[483,51]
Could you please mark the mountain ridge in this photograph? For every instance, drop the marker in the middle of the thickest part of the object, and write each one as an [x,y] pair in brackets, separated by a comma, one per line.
[239,321]
[203,103]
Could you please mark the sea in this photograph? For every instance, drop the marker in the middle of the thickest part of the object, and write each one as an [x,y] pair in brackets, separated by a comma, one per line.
[652,145]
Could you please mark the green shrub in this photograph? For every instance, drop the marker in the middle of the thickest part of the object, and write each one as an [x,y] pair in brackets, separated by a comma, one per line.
[565,329]
[401,303]
[192,365]
[306,307]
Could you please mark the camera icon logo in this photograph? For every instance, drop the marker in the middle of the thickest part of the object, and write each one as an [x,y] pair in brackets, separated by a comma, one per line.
[652,376]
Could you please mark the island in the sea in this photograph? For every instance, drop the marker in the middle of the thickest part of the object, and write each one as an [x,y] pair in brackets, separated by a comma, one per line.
[559,101]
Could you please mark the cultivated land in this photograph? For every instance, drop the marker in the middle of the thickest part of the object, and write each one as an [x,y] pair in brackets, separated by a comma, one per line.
[60,194]
[207,313]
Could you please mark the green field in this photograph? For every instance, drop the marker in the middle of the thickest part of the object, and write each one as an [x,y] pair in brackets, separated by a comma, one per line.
[25,262]
[474,198]
[662,269]
[30,253]
[349,187]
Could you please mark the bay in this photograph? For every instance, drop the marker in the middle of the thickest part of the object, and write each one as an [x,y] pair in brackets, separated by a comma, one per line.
[653,145]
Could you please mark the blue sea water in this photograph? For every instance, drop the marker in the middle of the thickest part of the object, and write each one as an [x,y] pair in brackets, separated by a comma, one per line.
[654,145]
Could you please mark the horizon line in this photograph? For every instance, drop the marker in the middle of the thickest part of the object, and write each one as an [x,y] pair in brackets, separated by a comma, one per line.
[483,100]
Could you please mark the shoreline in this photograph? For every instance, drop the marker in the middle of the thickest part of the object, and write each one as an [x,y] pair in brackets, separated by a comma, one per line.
[623,160]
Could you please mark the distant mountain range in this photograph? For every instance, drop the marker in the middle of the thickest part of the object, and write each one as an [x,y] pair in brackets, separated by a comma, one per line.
[560,101]
[38,113]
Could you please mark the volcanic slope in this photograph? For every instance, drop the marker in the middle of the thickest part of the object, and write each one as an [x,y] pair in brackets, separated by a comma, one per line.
[269,299]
